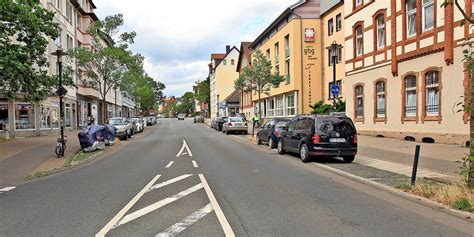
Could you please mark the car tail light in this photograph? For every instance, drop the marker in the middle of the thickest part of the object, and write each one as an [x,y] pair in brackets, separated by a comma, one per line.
[316,138]
[355,139]
[230,124]
[278,133]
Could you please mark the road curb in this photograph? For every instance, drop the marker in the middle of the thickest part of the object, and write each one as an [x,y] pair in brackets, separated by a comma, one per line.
[408,196]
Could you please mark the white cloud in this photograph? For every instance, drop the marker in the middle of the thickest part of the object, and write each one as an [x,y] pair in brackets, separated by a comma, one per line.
[177,37]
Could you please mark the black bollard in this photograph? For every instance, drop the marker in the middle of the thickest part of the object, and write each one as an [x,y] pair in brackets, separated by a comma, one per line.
[415,165]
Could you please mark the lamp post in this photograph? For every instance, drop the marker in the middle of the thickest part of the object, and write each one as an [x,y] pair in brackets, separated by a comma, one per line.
[61,92]
[218,107]
[334,54]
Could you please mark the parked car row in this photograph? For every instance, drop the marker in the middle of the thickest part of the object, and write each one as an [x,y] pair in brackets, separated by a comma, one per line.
[127,127]
[230,125]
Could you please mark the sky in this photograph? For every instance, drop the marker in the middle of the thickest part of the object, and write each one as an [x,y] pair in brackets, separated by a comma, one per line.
[177,36]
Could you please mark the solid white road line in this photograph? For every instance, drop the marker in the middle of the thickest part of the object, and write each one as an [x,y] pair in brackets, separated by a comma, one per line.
[127,207]
[153,207]
[185,146]
[186,222]
[6,189]
[215,205]
[170,164]
[195,164]
[168,182]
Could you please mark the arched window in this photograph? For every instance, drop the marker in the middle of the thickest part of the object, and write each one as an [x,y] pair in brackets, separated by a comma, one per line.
[380,37]
[380,98]
[359,41]
[359,102]
[411,17]
[432,91]
[410,96]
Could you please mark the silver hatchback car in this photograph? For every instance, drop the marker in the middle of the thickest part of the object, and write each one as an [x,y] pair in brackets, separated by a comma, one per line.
[235,124]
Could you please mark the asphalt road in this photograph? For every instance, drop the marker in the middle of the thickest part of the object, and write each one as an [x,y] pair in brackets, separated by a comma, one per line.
[186,179]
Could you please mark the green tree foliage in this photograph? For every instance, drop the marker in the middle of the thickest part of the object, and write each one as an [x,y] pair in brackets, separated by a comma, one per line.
[25,27]
[187,103]
[203,92]
[242,84]
[322,108]
[260,76]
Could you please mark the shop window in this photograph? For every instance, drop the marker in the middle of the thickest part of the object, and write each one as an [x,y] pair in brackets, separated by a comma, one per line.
[24,116]
[3,116]
[45,117]
[55,114]
[68,116]
[411,17]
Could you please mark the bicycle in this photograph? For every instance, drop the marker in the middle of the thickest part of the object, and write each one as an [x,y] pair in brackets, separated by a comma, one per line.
[60,147]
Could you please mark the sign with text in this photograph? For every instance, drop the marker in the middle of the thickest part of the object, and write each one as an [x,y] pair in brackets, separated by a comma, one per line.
[309,35]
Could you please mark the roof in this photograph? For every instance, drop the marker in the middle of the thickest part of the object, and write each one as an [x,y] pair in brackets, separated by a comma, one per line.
[233,97]
[341,2]
[233,47]
[244,52]
[218,56]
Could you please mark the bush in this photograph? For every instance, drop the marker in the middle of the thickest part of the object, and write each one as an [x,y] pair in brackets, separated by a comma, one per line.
[322,108]
[462,204]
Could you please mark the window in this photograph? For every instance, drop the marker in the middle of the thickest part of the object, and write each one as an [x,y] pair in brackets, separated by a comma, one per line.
[338,22]
[78,21]
[3,115]
[359,41]
[268,55]
[410,96]
[277,54]
[69,13]
[24,116]
[330,26]
[411,17]
[359,94]
[432,93]
[287,72]
[338,56]
[279,106]
[290,105]
[428,14]
[69,42]
[232,62]
[271,107]
[358,3]
[225,62]
[339,83]
[58,39]
[287,47]
[380,20]
[45,117]
[380,99]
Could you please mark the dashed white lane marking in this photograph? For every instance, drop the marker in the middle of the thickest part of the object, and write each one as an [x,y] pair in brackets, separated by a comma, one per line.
[127,207]
[185,146]
[168,182]
[195,164]
[215,205]
[6,189]
[186,222]
[153,207]
[170,164]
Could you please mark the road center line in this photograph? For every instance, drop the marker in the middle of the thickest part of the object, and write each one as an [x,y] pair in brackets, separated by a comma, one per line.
[6,189]
[127,207]
[186,222]
[157,205]
[168,182]
[185,146]
[215,205]
[170,164]
[195,164]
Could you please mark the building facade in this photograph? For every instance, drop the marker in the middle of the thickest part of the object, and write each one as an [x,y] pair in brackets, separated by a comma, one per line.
[404,71]
[332,24]
[291,45]
[245,97]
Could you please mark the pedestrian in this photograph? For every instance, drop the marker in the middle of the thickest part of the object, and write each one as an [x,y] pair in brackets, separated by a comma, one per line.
[256,120]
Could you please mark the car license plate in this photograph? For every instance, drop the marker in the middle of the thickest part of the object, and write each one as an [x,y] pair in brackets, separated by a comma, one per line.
[337,140]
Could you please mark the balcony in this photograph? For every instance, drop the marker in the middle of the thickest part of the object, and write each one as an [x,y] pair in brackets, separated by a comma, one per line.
[88,92]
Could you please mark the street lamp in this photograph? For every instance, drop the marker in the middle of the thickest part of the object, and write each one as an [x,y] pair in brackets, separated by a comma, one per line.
[334,55]
[218,107]
[61,92]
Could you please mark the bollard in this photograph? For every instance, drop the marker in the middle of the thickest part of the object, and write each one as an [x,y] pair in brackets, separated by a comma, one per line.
[415,165]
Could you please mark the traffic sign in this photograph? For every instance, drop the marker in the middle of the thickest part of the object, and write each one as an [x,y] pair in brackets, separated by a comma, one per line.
[335,90]
[61,92]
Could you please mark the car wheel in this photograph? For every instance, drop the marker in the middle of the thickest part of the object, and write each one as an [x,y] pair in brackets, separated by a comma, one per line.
[348,159]
[259,142]
[246,132]
[130,134]
[125,137]
[271,144]
[304,154]
[280,147]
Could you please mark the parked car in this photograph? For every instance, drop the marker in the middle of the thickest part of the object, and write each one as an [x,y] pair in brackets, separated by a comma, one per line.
[270,132]
[219,122]
[242,115]
[198,119]
[122,126]
[235,124]
[150,120]
[320,135]
[181,116]
[138,122]
[214,123]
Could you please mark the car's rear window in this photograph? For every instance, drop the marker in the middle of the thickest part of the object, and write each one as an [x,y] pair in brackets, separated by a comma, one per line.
[335,124]
[281,124]
[236,120]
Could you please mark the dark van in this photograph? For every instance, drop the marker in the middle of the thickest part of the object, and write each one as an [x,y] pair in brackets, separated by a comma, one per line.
[320,135]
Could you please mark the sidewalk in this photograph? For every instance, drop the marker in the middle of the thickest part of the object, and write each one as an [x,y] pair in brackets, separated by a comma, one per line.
[20,158]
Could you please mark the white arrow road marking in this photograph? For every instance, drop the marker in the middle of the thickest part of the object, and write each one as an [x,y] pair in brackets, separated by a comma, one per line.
[215,205]
[186,222]
[124,210]
[188,151]
[168,182]
[195,164]
[157,205]
[170,164]
[6,189]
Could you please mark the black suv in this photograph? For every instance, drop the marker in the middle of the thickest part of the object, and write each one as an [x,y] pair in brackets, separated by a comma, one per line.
[320,135]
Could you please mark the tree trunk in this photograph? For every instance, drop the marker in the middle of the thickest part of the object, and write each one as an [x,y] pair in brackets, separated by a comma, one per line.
[259,109]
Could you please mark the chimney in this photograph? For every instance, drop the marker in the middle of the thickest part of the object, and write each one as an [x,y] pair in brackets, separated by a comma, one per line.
[227,49]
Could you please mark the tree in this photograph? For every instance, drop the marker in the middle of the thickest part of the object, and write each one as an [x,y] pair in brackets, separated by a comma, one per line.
[203,92]
[106,65]
[242,85]
[322,108]
[25,27]
[187,102]
[261,77]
